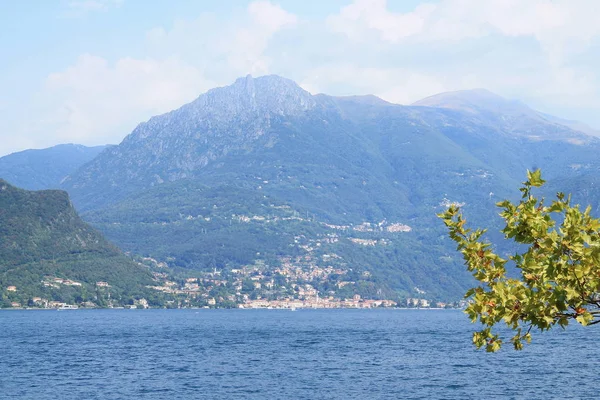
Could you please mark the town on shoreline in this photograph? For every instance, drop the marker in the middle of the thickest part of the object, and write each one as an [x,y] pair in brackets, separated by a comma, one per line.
[253,287]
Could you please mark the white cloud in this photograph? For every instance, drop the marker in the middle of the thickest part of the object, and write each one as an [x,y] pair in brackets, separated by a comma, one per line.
[364,15]
[558,25]
[229,48]
[247,46]
[270,17]
[95,102]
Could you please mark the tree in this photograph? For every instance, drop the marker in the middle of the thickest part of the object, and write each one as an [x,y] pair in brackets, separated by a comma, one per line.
[559,262]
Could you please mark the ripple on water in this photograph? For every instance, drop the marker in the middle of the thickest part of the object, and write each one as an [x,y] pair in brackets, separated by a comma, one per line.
[316,354]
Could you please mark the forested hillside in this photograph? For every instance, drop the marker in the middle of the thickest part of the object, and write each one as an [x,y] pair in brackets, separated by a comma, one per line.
[44,243]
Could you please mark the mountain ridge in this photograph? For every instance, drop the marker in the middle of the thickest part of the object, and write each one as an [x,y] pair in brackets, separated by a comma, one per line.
[204,186]
[37,169]
[42,238]
[248,108]
[509,112]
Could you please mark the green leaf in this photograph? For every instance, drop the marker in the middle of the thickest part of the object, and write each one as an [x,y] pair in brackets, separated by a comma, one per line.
[535,178]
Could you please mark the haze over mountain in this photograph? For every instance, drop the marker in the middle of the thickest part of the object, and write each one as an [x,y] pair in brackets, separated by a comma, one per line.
[45,168]
[483,101]
[511,116]
[261,170]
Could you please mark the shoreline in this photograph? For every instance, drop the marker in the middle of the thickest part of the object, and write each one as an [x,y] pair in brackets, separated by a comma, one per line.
[236,308]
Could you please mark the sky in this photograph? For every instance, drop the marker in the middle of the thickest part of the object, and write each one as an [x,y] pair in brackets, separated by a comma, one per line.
[89,71]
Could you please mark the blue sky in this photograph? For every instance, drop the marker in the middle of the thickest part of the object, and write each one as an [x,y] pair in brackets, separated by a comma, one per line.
[88,71]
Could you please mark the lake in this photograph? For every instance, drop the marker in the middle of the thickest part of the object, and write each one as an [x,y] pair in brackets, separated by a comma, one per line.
[280,354]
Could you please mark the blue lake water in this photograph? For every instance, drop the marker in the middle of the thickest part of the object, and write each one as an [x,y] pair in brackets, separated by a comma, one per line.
[278,354]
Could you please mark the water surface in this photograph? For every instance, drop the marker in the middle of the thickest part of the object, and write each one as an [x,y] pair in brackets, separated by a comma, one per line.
[280,354]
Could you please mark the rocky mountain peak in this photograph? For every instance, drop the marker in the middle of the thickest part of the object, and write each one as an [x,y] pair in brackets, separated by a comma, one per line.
[178,144]
[247,100]
[266,94]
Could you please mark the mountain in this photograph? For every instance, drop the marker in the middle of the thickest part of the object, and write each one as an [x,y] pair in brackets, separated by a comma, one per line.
[575,125]
[176,145]
[263,173]
[43,241]
[45,168]
[512,116]
[484,102]
[476,101]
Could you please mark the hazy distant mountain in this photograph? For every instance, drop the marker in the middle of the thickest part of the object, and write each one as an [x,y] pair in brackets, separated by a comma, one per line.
[482,101]
[575,125]
[476,101]
[511,116]
[45,168]
[261,171]
[42,236]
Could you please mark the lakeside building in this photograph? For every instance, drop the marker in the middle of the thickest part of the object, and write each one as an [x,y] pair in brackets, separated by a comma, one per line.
[316,302]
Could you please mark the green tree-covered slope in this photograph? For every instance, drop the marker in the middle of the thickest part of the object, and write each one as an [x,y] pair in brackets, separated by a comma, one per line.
[42,238]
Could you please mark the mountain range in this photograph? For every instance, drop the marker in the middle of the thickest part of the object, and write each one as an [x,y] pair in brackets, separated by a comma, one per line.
[262,172]
[45,168]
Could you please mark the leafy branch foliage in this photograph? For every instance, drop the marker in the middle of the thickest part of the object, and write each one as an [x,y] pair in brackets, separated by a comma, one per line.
[559,265]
